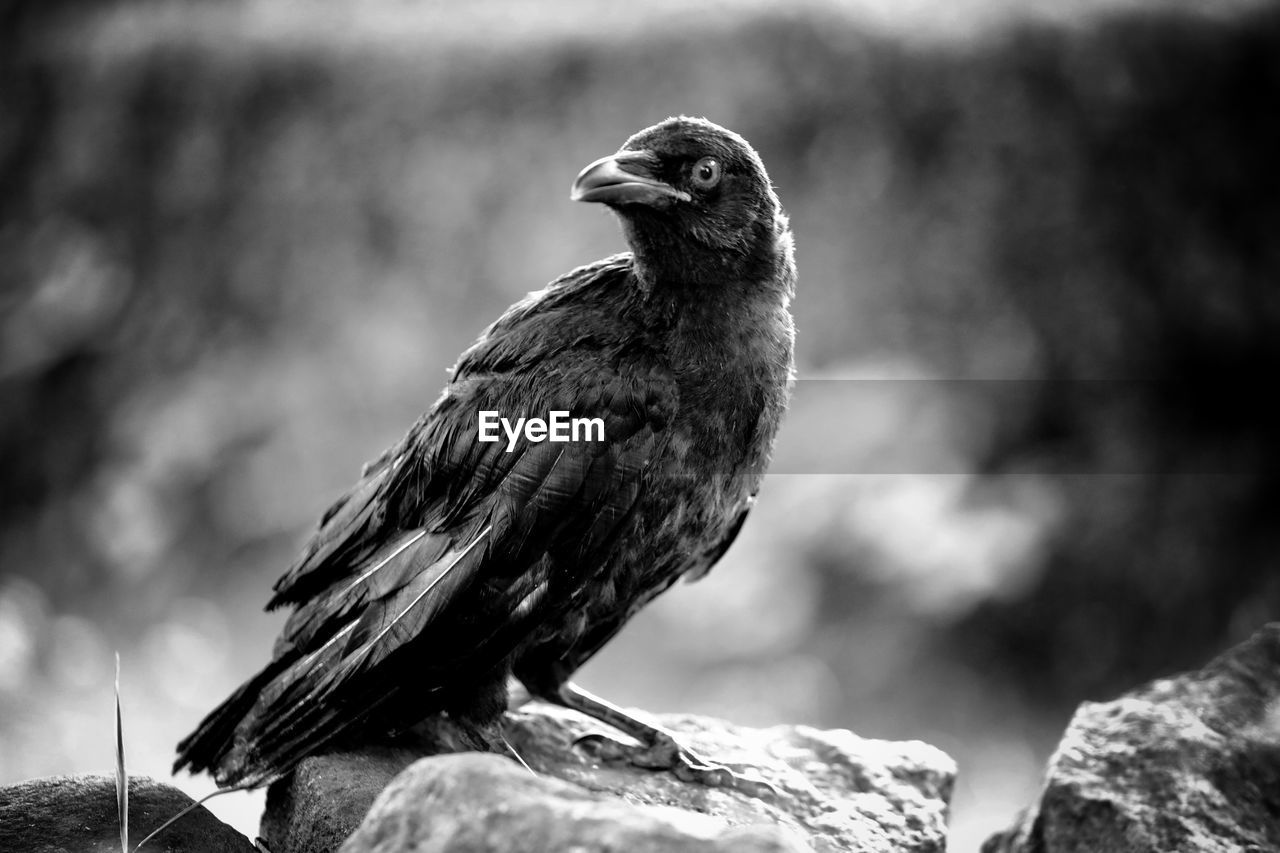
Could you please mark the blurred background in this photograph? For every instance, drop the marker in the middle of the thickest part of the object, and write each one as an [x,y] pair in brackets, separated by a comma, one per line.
[1031,462]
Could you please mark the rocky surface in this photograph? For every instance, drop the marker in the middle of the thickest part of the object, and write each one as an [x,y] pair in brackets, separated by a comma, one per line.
[77,814]
[836,791]
[477,802]
[325,799]
[1189,763]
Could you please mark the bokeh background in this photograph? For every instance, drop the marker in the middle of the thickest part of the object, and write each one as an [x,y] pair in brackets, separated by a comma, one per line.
[1032,459]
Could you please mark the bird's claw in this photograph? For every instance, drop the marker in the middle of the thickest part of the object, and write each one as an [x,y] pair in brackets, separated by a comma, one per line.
[604,749]
[683,763]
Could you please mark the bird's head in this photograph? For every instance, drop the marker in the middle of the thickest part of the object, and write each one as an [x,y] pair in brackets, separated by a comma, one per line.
[694,200]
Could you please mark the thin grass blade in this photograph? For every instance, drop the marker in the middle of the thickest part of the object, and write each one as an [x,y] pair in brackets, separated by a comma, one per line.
[197,804]
[122,775]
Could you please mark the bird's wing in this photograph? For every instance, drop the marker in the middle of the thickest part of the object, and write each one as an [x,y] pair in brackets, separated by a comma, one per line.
[489,515]
[460,590]
[451,550]
[441,454]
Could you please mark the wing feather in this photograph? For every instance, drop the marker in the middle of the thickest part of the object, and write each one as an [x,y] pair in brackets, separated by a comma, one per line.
[449,549]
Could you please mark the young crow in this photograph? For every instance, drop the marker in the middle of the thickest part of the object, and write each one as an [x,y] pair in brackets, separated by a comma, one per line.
[454,563]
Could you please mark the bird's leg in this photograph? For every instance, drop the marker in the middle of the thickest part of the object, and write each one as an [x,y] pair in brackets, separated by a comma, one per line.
[657,750]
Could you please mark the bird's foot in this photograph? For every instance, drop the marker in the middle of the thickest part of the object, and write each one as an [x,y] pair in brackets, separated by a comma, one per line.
[665,753]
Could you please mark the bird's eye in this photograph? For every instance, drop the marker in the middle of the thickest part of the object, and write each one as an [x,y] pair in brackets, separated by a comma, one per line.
[706,173]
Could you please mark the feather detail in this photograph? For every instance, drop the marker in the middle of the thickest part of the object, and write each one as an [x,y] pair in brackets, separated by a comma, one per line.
[392,568]
[378,566]
[329,644]
[311,716]
[419,597]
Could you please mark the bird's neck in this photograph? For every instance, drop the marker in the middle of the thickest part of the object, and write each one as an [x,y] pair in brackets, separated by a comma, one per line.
[725,321]
[678,276]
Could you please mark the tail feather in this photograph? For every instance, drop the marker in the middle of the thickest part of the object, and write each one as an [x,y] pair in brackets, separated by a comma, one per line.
[301,700]
[294,699]
[207,746]
[332,666]
[318,725]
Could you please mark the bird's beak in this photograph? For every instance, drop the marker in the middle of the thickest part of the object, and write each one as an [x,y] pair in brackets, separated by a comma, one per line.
[625,178]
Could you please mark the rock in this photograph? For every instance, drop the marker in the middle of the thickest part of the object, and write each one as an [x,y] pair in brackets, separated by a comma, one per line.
[323,802]
[836,792]
[840,791]
[77,814]
[1190,763]
[477,802]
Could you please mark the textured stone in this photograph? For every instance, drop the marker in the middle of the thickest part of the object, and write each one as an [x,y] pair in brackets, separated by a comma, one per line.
[836,792]
[1190,763]
[77,814]
[325,799]
[475,802]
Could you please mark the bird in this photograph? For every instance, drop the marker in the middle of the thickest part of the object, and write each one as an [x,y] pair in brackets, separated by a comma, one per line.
[454,565]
